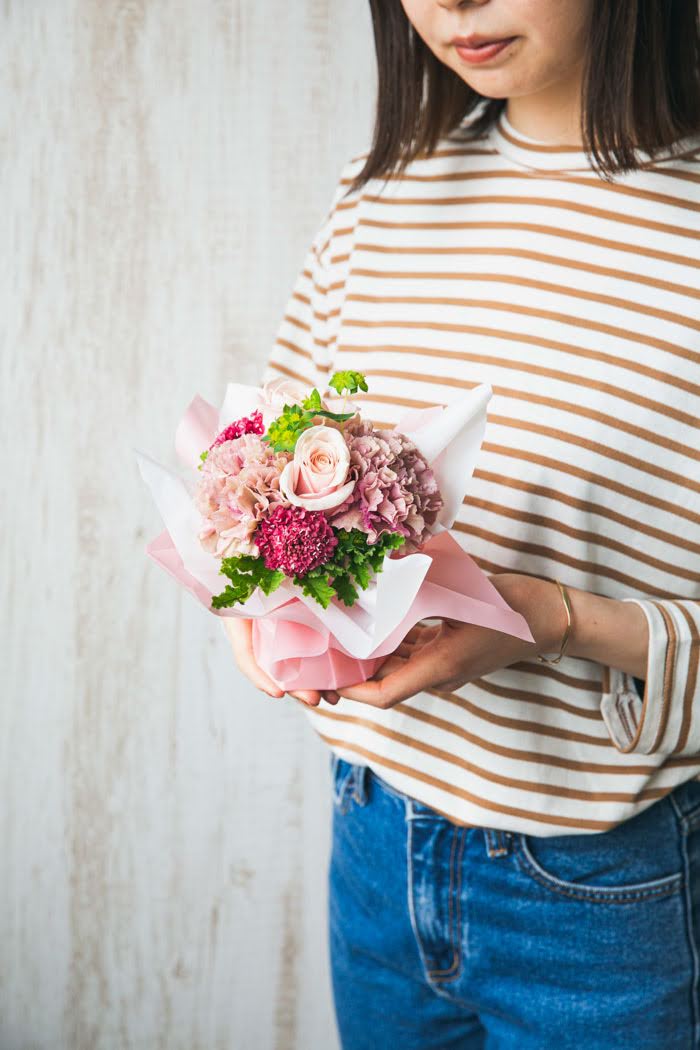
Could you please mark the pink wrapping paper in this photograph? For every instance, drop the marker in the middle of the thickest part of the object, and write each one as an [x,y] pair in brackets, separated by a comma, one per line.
[299,644]
[303,656]
[295,648]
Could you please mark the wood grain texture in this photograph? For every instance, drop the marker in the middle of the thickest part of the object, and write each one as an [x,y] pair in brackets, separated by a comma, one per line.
[164,827]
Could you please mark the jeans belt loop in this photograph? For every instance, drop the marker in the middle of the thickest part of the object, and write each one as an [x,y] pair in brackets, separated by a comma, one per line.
[359,791]
[497,842]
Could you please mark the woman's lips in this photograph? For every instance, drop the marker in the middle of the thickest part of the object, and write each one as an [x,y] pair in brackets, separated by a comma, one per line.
[484,52]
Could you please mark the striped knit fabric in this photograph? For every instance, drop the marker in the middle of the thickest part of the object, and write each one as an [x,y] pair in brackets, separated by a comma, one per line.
[507,261]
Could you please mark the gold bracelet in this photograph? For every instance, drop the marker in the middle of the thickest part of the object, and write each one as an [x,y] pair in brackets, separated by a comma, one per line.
[567,632]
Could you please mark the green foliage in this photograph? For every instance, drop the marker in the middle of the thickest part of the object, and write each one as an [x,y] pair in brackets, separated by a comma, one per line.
[314,404]
[348,382]
[339,417]
[245,573]
[284,431]
[316,587]
[345,589]
[349,570]
[313,401]
[351,567]
[202,456]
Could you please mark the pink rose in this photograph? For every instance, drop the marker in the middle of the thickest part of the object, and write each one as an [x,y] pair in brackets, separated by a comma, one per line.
[316,478]
[277,393]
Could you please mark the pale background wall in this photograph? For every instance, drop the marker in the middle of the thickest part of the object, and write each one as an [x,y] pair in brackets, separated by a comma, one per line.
[164,829]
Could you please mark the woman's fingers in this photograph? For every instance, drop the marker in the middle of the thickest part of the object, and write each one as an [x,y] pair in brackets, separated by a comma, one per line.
[415,633]
[418,636]
[312,697]
[398,679]
[240,635]
[391,664]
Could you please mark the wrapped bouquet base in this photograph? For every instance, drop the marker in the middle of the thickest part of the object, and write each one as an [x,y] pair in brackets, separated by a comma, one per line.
[304,654]
[298,643]
[296,647]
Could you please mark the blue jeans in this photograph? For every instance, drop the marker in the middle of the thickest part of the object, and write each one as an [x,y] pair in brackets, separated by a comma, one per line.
[444,937]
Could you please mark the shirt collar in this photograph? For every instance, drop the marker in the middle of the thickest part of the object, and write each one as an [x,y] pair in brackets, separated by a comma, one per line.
[536,155]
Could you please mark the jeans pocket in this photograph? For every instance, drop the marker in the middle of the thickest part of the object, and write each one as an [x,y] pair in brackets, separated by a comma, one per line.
[342,781]
[639,859]
[687,803]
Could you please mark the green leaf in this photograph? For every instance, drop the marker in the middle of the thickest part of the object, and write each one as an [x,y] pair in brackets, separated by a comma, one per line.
[271,582]
[344,589]
[361,572]
[348,382]
[313,401]
[354,562]
[339,417]
[316,587]
[228,597]
[246,573]
[284,431]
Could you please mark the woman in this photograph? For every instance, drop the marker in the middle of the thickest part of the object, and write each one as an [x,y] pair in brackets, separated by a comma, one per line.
[516,860]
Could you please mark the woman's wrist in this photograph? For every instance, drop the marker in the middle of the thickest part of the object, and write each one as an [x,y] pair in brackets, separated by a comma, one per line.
[609,632]
[604,630]
[540,602]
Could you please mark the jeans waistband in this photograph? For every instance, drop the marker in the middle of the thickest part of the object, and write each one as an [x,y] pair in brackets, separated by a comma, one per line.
[353,781]
[355,777]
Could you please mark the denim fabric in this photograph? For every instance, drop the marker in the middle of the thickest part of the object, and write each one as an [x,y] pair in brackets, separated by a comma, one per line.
[443,937]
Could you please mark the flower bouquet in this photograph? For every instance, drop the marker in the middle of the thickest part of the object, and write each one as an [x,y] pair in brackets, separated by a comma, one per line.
[332,533]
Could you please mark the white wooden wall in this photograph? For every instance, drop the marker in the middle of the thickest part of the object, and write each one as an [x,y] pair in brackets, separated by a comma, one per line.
[164,829]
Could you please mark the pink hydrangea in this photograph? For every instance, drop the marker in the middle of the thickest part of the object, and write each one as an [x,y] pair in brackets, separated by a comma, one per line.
[239,484]
[295,540]
[395,491]
[252,424]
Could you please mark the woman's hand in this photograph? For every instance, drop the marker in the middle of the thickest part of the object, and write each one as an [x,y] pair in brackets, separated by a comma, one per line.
[446,656]
[451,653]
[604,630]
[240,634]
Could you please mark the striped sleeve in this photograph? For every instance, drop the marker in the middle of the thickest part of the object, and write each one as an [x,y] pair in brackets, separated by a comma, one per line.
[666,719]
[301,349]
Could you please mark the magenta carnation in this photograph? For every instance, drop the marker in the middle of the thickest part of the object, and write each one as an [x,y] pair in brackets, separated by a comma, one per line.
[295,540]
[252,424]
[395,491]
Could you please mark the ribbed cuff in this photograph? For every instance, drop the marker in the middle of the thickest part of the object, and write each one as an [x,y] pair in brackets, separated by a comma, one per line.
[665,719]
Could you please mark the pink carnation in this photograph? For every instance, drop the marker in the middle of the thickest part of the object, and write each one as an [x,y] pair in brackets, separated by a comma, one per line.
[239,484]
[252,424]
[395,491]
[295,540]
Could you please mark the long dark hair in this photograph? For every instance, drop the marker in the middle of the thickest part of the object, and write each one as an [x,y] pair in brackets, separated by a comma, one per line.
[640,87]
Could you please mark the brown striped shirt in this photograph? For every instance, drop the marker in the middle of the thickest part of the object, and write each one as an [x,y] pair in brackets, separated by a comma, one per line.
[507,261]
